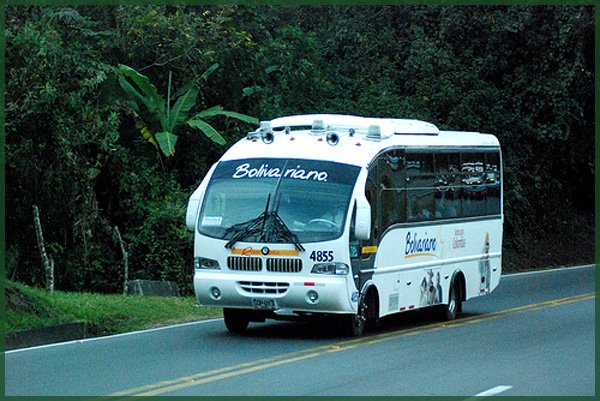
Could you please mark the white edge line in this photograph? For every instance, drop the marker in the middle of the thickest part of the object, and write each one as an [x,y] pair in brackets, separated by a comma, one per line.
[558,269]
[218,319]
[100,338]
[493,391]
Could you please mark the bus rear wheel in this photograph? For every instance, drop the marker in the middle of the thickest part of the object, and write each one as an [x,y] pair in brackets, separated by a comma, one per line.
[236,320]
[450,310]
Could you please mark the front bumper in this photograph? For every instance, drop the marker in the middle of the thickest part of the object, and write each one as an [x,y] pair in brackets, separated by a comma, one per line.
[291,294]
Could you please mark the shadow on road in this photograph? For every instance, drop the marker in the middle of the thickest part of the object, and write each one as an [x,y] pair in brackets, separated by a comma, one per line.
[328,329]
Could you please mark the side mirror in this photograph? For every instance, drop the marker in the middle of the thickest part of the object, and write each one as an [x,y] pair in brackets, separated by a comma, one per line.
[362,224]
[193,206]
[191,215]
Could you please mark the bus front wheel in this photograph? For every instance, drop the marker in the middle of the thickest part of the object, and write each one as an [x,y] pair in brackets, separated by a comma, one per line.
[354,325]
[236,320]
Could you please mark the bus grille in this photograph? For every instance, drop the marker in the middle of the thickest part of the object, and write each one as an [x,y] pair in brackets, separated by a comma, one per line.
[257,287]
[284,265]
[244,263]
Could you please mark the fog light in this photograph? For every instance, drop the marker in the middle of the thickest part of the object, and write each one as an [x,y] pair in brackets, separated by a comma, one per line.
[312,296]
[215,293]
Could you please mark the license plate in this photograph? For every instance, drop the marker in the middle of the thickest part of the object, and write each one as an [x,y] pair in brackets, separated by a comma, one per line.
[264,304]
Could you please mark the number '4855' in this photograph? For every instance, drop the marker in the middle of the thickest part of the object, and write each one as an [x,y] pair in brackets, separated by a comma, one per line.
[321,256]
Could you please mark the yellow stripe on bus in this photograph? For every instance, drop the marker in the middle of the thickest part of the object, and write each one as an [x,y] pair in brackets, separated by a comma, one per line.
[272,252]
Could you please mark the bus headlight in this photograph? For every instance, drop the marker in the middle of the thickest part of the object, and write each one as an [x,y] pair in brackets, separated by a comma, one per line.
[205,263]
[339,269]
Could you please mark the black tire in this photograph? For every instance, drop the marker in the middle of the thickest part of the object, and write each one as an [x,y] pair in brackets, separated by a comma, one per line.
[236,320]
[450,310]
[354,325]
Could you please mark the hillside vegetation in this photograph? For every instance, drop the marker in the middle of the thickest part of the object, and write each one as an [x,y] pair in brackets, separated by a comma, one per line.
[115,113]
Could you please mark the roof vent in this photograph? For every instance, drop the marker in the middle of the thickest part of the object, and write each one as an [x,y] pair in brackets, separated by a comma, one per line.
[374,133]
[318,127]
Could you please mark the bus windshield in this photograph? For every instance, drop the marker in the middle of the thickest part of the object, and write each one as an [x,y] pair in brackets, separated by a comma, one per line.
[309,197]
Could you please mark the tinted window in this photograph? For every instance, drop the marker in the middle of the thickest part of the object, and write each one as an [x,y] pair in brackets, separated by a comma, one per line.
[415,186]
[448,185]
[492,182]
[473,185]
[391,178]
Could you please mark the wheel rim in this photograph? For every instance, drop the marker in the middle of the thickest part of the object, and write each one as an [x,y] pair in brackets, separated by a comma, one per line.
[361,317]
[452,300]
[452,305]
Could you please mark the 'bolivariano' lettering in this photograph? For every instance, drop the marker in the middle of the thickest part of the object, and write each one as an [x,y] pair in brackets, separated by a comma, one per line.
[415,245]
[264,171]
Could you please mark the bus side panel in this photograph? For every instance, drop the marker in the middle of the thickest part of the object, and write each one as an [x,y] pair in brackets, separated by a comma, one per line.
[414,265]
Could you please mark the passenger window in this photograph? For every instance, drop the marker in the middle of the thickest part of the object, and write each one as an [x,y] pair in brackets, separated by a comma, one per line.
[474,191]
[421,187]
[419,170]
[415,186]
[391,183]
[492,182]
[447,201]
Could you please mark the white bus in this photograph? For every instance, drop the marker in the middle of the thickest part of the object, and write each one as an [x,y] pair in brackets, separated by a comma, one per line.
[348,217]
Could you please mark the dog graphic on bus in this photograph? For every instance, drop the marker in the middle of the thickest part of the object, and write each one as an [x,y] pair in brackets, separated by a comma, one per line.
[484,267]
[431,290]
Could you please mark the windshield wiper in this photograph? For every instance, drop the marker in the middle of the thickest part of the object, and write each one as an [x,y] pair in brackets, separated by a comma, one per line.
[268,227]
[281,230]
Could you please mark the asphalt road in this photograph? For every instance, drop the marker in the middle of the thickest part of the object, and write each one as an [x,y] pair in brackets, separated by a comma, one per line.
[533,336]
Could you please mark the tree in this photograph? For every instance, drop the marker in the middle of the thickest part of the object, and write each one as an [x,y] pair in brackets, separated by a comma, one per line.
[158,120]
[524,73]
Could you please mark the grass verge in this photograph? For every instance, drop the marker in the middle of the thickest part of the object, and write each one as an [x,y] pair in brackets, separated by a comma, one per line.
[28,308]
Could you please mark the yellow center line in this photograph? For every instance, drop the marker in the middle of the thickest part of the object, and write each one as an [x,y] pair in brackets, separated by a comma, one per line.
[261,364]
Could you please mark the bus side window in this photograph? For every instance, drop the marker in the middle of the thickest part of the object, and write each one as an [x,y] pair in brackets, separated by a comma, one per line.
[420,183]
[447,201]
[390,174]
[473,181]
[492,182]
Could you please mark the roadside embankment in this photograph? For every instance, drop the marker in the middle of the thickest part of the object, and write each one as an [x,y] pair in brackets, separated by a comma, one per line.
[34,316]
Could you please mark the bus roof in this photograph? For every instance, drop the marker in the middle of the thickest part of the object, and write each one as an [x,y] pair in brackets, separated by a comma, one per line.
[346,139]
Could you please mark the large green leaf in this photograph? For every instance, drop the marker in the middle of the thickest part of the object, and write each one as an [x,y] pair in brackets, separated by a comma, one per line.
[179,112]
[218,111]
[208,130]
[143,92]
[166,140]
[213,111]
[242,117]
[140,80]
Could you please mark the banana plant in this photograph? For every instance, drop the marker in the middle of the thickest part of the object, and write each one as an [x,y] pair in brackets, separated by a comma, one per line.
[158,121]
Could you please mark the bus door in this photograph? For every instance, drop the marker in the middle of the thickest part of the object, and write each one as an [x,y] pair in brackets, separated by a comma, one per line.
[362,252]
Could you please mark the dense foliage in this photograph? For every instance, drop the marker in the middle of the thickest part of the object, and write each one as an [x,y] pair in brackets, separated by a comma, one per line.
[75,146]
